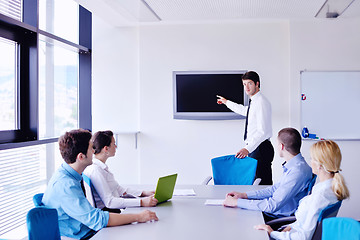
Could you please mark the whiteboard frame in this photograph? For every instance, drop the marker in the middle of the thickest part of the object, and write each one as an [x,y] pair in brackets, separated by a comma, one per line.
[302,106]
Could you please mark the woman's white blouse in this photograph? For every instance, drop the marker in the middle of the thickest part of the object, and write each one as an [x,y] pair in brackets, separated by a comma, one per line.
[308,212]
[108,191]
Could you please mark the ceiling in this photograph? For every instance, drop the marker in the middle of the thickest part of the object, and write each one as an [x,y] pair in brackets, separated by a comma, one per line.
[132,12]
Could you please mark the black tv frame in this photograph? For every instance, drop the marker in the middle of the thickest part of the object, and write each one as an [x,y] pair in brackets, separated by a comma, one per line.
[205,115]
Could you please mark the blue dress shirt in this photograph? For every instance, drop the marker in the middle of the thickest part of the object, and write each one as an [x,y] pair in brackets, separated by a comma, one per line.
[76,216]
[282,198]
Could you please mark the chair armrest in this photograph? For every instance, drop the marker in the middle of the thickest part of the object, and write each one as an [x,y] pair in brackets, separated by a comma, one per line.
[257,181]
[206,180]
[277,223]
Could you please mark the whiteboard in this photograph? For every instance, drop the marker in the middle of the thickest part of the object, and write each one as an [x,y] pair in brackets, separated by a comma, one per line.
[330,104]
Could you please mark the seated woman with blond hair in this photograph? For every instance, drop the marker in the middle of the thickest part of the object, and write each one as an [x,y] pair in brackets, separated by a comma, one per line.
[109,195]
[325,163]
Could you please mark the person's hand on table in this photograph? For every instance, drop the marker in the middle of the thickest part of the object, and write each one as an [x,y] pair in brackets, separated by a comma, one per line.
[230,202]
[237,195]
[148,202]
[147,193]
[264,227]
[147,216]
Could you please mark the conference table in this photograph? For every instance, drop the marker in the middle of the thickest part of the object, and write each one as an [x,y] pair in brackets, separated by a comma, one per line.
[187,217]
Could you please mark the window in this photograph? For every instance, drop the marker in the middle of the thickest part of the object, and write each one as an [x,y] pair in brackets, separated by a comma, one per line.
[45,90]
[19,44]
[58,90]
[11,8]
[32,111]
[8,85]
[60,17]
[19,184]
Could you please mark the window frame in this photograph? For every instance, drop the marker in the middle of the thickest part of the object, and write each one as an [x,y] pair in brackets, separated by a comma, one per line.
[27,34]
[26,37]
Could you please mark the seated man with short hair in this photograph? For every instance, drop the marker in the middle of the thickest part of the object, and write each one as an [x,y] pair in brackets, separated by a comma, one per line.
[282,198]
[77,218]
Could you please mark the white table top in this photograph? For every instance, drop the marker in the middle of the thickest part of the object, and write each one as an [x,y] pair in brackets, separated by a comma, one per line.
[187,217]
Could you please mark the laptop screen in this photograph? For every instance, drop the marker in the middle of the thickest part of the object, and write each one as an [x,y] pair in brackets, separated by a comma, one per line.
[165,188]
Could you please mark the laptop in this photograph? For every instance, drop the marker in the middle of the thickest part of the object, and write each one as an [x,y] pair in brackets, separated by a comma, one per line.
[165,188]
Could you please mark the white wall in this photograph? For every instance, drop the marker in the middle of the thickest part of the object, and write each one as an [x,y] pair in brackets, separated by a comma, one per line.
[137,63]
[186,146]
[115,104]
[328,45]
[167,145]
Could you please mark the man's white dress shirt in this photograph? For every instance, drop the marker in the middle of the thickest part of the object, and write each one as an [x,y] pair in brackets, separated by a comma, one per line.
[259,120]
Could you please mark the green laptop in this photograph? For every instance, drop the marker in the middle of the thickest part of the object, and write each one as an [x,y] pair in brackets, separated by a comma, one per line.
[165,188]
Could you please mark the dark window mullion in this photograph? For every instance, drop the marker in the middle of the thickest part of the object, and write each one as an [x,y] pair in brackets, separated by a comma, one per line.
[30,12]
[28,89]
[29,77]
[85,22]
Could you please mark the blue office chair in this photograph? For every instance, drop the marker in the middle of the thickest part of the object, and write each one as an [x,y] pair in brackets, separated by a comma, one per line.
[42,223]
[37,199]
[90,194]
[229,170]
[311,184]
[89,190]
[329,211]
[338,228]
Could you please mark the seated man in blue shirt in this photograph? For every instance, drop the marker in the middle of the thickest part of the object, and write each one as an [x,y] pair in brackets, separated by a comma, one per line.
[77,218]
[282,198]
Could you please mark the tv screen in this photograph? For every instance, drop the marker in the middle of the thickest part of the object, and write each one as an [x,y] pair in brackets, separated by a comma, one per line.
[195,94]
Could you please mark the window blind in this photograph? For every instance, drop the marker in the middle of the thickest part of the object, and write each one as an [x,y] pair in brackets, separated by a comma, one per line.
[22,175]
[11,8]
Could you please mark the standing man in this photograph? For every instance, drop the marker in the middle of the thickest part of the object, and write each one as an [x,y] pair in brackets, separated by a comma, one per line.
[258,128]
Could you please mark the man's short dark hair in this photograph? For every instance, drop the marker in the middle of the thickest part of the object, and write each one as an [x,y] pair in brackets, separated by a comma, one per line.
[102,139]
[291,139]
[251,75]
[72,143]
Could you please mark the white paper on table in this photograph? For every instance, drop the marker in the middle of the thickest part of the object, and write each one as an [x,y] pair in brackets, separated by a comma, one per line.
[184,192]
[214,202]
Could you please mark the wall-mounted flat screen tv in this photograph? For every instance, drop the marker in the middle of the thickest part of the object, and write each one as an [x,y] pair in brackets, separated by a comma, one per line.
[195,94]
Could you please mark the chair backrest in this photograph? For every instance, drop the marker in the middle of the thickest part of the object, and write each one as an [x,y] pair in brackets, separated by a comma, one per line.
[37,199]
[330,211]
[229,170]
[311,184]
[42,223]
[89,190]
[338,228]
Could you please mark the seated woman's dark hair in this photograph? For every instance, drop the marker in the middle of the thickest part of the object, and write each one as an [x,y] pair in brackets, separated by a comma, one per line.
[102,139]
